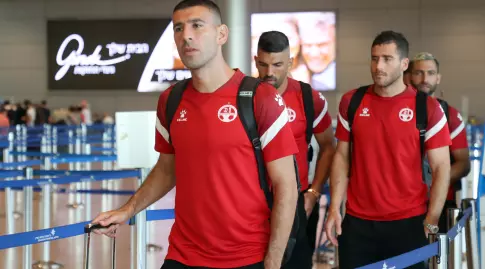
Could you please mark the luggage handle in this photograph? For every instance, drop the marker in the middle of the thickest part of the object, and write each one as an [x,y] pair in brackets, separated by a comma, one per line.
[87,240]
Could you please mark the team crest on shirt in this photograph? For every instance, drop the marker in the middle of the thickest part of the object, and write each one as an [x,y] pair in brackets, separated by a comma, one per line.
[227,113]
[182,116]
[406,114]
[291,115]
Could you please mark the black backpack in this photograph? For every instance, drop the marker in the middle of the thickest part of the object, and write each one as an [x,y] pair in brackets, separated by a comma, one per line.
[245,108]
[307,96]
[421,122]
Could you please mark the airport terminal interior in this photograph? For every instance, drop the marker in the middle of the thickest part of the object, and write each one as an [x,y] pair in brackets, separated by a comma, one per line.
[80,82]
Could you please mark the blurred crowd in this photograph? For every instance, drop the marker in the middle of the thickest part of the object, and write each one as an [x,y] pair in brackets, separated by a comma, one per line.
[31,114]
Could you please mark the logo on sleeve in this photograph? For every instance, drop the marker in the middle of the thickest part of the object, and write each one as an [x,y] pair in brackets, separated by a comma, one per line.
[291,115]
[279,100]
[182,116]
[227,113]
[406,114]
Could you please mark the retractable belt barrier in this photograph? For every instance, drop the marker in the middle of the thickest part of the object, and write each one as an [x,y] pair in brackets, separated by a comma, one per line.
[421,254]
[61,232]
[436,250]
[66,231]
[69,179]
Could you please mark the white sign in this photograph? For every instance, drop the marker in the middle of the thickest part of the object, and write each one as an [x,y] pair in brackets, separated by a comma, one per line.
[135,139]
[93,64]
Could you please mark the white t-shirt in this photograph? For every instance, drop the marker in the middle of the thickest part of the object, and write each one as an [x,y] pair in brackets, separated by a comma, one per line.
[31,113]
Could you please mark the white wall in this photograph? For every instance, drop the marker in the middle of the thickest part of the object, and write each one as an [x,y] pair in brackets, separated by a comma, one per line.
[452,30]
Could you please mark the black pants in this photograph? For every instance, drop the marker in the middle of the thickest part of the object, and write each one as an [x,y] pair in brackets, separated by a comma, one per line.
[444,213]
[171,264]
[302,255]
[365,242]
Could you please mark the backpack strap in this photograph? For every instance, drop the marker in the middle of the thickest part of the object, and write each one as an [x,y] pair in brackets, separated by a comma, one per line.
[173,101]
[353,105]
[307,94]
[422,124]
[446,109]
[245,107]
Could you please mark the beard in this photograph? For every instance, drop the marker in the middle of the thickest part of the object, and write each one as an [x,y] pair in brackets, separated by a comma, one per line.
[388,80]
[427,88]
[273,81]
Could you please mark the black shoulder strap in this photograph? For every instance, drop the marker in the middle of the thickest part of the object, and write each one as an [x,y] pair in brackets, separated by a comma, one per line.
[353,105]
[245,107]
[445,107]
[421,124]
[307,95]
[173,101]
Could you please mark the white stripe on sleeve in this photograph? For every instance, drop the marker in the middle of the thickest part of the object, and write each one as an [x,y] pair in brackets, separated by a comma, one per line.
[344,123]
[274,129]
[457,131]
[435,129]
[162,131]
[320,117]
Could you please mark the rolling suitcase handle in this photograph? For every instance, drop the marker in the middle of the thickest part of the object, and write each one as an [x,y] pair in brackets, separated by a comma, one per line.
[87,239]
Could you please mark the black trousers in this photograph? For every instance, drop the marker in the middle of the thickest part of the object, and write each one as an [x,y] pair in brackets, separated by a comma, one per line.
[364,242]
[443,217]
[171,264]
[302,256]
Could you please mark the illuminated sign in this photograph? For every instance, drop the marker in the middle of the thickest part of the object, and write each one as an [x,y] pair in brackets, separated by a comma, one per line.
[113,54]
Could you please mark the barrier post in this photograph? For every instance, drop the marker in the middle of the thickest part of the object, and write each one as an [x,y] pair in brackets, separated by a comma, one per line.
[11,143]
[454,257]
[24,142]
[87,185]
[133,243]
[70,147]
[54,144]
[77,203]
[439,261]
[18,141]
[28,205]
[9,158]
[46,263]
[141,225]
[471,238]
[9,202]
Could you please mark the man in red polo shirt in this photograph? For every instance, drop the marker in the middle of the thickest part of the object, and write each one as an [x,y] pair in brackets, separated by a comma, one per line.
[273,62]
[221,213]
[425,76]
[386,209]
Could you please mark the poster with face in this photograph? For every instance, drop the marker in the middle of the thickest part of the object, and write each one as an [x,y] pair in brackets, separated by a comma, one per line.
[312,38]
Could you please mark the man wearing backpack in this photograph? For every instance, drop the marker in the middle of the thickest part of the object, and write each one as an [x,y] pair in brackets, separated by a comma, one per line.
[425,76]
[223,218]
[308,116]
[383,132]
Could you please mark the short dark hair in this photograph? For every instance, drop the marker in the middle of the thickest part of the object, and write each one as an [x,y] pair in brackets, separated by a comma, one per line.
[388,37]
[273,41]
[195,3]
